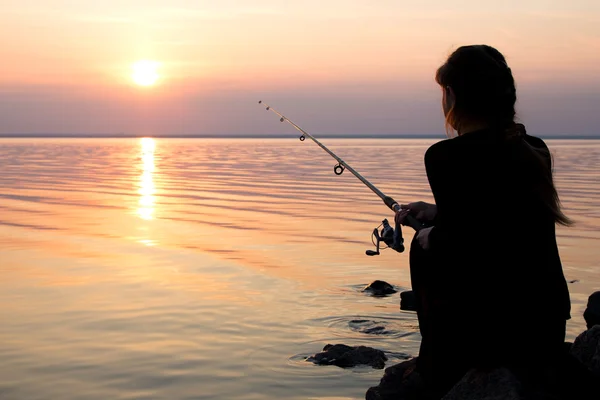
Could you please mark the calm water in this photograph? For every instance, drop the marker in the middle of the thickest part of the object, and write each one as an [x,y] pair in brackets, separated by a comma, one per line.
[206,269]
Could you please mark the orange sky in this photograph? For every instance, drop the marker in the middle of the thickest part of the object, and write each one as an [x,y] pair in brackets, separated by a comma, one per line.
[66,66]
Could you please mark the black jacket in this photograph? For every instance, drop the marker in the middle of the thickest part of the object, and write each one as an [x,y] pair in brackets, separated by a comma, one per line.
[494,239]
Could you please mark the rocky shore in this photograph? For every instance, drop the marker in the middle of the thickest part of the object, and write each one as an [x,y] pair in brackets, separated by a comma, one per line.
[577,376]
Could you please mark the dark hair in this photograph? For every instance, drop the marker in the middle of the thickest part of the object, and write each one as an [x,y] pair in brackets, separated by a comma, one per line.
[484,90]
[483,86]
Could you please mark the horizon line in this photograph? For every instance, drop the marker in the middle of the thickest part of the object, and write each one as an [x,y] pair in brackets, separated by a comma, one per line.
[245,136]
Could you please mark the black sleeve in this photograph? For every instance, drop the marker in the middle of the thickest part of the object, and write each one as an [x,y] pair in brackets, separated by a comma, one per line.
[437,166]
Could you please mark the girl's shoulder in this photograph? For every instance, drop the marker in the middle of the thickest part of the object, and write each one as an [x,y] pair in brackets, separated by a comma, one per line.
[536,142]
[465,145]
[442,150]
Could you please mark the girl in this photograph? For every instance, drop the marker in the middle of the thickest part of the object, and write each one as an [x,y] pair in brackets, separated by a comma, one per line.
[486,271]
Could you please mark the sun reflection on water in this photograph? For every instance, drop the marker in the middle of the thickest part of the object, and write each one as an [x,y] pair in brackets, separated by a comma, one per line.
[147,188]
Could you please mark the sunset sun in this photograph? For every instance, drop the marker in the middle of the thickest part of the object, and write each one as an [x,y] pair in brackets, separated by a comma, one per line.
[145,72]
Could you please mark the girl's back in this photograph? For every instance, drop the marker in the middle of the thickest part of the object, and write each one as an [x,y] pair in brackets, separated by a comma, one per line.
[495,240]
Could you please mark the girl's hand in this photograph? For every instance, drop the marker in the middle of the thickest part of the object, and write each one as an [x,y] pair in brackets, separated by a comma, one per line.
[422,234]
[423,212]
[401,216]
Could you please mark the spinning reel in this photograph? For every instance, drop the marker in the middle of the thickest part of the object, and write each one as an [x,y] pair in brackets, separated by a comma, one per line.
[390,236]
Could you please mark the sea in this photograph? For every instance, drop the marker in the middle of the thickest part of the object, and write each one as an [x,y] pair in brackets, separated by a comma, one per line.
[141,268]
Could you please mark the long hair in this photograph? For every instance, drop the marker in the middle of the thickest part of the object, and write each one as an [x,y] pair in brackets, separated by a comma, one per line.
[485,93]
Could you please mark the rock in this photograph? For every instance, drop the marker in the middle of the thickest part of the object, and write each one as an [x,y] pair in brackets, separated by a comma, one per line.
[408,302]
[377,330]
[399,382]
[379,288]
[563,382]
[498,384]
[368,327]
[575,374]
[586,349]
[347,356]
[592,312]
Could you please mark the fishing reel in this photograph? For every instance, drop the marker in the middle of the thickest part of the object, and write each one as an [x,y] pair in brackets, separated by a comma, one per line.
[390,236]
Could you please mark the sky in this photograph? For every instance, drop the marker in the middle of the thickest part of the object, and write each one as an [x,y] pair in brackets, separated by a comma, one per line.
[349,67]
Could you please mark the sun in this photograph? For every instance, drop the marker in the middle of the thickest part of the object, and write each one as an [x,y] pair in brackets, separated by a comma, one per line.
[145,72]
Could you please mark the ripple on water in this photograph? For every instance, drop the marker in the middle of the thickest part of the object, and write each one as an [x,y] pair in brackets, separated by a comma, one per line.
[385,327]
[107,292]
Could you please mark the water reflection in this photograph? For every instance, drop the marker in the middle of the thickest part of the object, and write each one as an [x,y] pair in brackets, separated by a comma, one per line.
[147,188]
[232,225]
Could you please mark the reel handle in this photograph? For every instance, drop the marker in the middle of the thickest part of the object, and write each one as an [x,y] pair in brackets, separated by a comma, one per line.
[376,252]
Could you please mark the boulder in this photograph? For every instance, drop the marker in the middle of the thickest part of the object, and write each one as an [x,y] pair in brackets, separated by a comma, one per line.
[586,349]
[497,384]
[345,356]
[574,374]
[379,288]
[568,379]
[403,382]
[408,302]
[592,312]
[399,382]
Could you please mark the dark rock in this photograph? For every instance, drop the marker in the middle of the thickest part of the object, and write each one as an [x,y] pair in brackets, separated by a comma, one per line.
[378,330]
[368,327]
[592,312]
[408,302]
[379,288]
[574,374]
[586,349]
[497,384]
[567,380]
[345,356]
[399,382]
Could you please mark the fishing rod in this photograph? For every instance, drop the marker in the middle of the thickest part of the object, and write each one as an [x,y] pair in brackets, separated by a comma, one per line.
[390,236]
